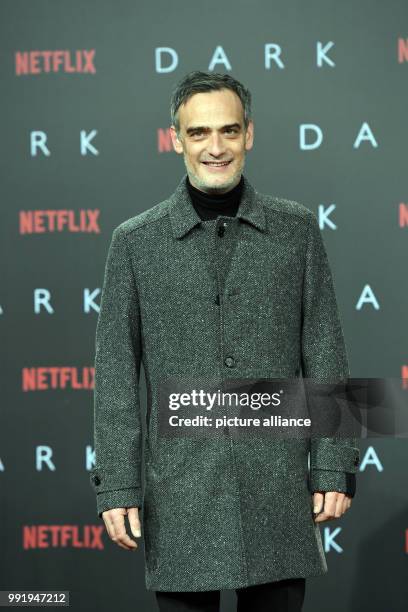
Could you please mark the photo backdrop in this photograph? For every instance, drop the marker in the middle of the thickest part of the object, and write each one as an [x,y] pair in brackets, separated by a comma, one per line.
[85,144]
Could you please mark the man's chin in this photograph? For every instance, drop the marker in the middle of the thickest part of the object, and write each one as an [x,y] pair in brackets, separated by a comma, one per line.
[217,183]
[205,181]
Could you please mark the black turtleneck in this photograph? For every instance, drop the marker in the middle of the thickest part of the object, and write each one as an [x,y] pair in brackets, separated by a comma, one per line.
[210,206]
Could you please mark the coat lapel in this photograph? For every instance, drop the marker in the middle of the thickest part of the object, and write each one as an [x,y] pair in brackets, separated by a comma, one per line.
[184,219]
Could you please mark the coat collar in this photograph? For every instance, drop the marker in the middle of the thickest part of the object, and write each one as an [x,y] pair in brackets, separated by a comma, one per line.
[184,217]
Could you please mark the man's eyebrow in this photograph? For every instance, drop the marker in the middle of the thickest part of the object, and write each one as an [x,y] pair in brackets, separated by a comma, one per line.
[204,127]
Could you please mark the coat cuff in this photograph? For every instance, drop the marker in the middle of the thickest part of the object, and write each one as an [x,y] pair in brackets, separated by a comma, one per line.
[103,479]
[121,498]
[333,480]
[115,490]
[326,454]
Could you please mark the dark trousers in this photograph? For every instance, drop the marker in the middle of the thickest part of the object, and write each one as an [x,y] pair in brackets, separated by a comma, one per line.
[281,596]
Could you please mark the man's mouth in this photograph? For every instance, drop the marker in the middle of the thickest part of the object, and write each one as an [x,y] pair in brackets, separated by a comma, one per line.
[217,164]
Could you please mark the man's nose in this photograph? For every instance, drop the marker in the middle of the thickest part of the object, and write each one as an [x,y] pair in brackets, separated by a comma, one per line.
[216,145]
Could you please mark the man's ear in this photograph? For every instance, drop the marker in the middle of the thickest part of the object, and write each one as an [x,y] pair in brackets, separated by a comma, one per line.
[177,144]
[249,136]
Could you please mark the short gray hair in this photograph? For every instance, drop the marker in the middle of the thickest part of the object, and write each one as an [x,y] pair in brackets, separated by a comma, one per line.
[202,82]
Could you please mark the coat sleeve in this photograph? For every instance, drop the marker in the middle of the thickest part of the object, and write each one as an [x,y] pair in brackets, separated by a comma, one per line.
[116,477]
[333,461]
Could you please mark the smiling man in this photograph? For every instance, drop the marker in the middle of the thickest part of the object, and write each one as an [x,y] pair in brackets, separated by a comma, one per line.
[214,139]
[217,282]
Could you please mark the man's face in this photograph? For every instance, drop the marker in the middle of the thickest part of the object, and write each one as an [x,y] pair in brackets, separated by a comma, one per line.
[211,131]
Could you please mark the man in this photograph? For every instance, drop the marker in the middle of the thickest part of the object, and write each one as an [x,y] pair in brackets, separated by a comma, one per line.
[217,282]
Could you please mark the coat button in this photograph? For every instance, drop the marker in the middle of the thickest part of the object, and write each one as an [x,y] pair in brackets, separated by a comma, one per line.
[229,362]
[356,461]
[221,229]
[96,480]
[217,300]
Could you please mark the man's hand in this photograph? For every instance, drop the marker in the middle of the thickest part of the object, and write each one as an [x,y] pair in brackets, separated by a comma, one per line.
[115,525]
[330,505]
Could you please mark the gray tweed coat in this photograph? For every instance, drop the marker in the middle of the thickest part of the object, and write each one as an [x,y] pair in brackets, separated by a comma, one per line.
[255,302]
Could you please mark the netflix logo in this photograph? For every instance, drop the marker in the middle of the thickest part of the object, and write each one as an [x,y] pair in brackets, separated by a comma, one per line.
[51,221]
[62,536]
[40,62]
[56,377]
